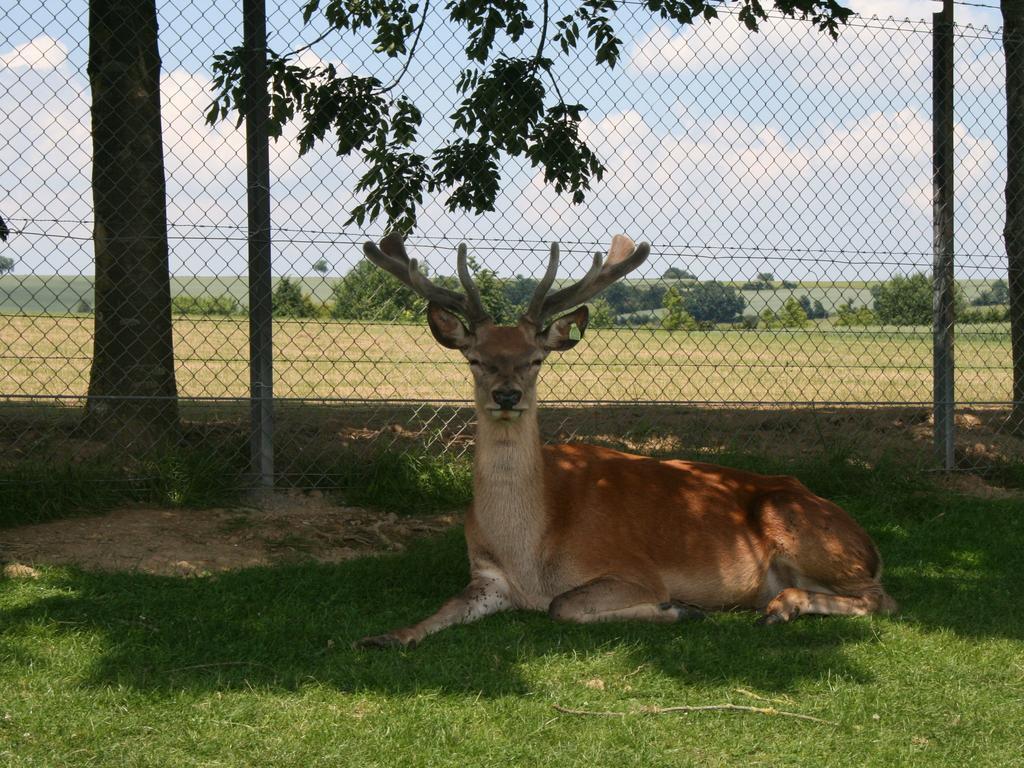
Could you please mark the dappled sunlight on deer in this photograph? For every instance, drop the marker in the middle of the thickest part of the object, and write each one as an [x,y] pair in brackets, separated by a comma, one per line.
[593,534]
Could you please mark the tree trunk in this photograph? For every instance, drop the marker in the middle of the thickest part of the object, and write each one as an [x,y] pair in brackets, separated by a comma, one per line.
[1013,48]
[132,390]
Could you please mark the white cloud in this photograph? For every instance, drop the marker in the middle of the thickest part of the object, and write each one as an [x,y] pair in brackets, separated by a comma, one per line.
[309,60]
[770,140]
[923,9]
[744,187]
[194,150]
[792,51]
[42,53]
[661,51]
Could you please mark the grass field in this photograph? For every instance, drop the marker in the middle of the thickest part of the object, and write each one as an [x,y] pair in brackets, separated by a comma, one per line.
[314,359]
[255,667]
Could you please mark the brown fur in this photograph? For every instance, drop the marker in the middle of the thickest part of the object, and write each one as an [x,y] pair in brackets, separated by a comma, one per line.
[592,534]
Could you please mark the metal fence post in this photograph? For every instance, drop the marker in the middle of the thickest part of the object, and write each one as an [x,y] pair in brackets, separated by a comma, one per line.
[261,370]
[942,269]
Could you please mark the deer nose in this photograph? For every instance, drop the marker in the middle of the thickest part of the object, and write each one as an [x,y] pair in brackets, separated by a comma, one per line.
[506,398]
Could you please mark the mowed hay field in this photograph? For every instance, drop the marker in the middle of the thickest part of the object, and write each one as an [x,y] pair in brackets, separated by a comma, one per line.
[50,355]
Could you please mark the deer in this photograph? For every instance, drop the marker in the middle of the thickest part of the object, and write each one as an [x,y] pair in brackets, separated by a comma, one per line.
[589,534]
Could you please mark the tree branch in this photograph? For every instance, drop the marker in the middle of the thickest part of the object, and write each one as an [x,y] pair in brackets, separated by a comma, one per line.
[543,33]
[310,44]
[412,49]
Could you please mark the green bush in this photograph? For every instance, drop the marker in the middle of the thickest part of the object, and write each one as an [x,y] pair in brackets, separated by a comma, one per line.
[492,293]
[748,322]
[791,315]
[206,306]
[814,310]
[713,302]
[370,293]
[908,300]
[999,293]
[289,300]
[984,315]
[678,273]
[676,318]
[601,314]
[848,316]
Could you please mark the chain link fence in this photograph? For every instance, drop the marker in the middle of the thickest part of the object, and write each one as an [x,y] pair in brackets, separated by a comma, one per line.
[784,180]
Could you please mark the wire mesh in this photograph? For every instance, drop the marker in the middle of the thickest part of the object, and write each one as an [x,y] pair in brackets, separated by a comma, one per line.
[784,180]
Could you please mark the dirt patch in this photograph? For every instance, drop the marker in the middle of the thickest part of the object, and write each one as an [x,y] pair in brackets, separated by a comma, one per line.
[185,542]
[978,487]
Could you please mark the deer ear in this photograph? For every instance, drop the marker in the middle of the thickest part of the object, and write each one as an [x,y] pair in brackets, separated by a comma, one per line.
[559,336]
[447,328]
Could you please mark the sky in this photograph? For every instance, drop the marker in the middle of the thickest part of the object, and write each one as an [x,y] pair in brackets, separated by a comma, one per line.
[733,153]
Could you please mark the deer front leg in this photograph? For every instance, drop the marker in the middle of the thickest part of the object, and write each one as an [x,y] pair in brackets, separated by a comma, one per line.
[484,595]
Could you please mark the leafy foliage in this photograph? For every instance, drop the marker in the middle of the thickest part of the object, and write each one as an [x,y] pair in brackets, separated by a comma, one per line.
[6,265]
[492,293]
[369,293]
[678,273]
[814,310]
[626,297]
[506,107]
[713,302]
[999,293]
[321,266]
[791,315]
[763,282]
[676,318]
[908,300]
[850,317]
[289,300]
[601,314]
[206,306]
[994,314]
[519,290]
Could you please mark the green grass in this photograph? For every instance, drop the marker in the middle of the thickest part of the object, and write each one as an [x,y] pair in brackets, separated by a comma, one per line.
[255,667]
[411,481]
[36,491]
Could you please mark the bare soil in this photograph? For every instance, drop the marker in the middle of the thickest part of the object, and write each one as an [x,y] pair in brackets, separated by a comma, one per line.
[188,542]
[306,526]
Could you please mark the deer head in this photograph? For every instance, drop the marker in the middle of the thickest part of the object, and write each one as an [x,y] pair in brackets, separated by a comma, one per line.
[505,360]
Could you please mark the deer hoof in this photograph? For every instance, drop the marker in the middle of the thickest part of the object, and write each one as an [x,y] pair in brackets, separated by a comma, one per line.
[777,617]
[684,611]
[389,640]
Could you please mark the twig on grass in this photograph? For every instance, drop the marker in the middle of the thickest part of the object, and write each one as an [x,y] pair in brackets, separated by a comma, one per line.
[759,697]
[701,708]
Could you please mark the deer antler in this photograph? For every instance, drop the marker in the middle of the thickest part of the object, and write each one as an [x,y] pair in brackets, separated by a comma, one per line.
[623,257]
[391,256]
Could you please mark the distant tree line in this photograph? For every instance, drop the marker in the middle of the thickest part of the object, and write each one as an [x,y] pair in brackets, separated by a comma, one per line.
[674,303]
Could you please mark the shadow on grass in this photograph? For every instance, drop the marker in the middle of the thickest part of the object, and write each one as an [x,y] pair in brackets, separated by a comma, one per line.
[285,627]
[290,626]
[953,564]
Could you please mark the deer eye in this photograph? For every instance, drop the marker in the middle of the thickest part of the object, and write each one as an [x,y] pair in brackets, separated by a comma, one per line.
[536,363]
[474,362]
